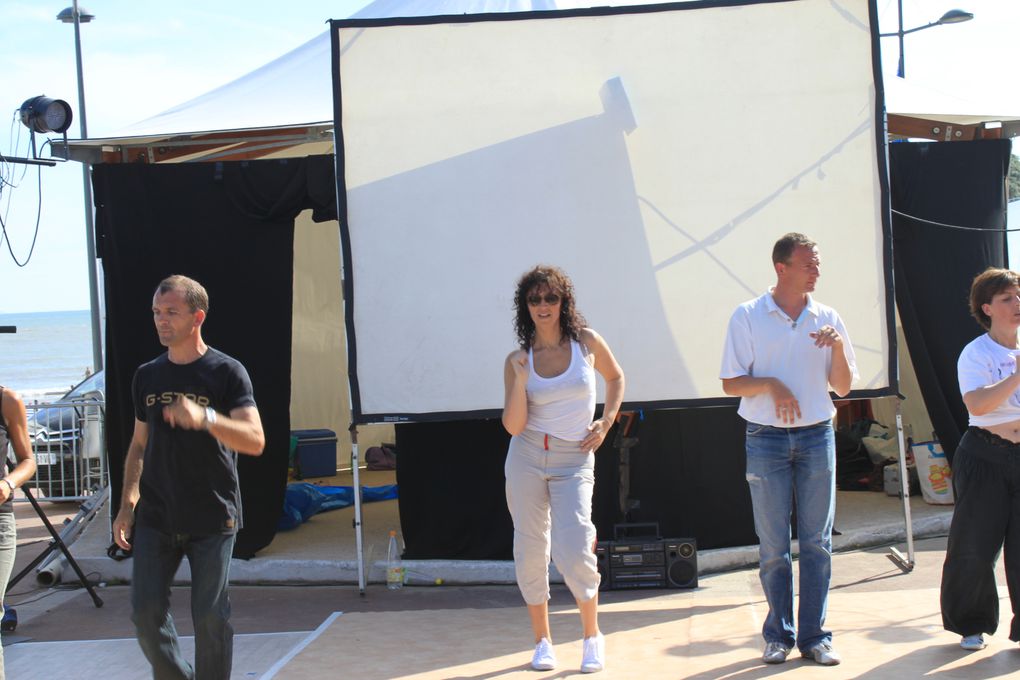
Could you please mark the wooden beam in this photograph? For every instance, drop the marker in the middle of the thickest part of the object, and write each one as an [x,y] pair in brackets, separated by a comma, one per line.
[939,131]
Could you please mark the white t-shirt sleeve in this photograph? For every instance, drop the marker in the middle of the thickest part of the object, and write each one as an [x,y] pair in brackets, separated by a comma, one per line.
[974,369]
[738,350]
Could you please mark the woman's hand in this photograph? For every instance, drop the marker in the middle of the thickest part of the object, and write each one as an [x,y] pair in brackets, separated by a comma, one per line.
[519,362]
[515,398]
[597,432]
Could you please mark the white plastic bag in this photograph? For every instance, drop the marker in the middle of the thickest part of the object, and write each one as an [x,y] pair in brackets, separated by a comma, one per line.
[934,473]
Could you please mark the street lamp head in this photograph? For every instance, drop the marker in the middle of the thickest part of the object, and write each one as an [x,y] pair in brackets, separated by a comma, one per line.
[67,15]
[955,16]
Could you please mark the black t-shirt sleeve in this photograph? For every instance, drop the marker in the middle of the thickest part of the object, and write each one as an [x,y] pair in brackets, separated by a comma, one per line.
[239,391]
[136,396]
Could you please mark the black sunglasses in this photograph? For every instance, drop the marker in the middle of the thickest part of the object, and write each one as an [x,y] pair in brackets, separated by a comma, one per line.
[550,299]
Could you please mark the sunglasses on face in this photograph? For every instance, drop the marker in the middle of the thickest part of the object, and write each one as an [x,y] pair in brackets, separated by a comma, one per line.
[549,298]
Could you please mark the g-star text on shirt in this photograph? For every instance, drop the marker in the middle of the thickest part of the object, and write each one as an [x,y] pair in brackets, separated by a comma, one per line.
[168,398]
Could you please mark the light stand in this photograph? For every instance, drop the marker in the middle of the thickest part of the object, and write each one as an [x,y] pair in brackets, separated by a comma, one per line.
[75,15]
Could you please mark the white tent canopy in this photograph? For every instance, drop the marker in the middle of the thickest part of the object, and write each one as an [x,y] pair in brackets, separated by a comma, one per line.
[295,89]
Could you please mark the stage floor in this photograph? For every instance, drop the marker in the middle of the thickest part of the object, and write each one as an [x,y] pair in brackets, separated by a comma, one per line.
[886,624]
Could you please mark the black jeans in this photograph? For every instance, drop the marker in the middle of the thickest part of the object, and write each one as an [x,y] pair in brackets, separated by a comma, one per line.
[986,482]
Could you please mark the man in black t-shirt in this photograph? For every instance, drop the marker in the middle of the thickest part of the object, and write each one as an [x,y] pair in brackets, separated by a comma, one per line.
[194,412]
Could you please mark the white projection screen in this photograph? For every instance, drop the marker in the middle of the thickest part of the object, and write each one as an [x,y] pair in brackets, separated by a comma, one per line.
[655,153]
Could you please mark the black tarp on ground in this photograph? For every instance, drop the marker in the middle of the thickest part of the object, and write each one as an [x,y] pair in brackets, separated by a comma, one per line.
[958,183]
[231,227]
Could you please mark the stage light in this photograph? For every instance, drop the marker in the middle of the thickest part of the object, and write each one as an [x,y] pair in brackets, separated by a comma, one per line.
[42,114]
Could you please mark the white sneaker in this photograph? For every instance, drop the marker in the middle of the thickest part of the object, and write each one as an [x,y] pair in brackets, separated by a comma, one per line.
[823,653]
[593,658]
[973,643]
[544,659]
[775,652]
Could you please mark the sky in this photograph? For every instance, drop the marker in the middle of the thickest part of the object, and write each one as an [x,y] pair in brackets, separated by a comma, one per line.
[139,61]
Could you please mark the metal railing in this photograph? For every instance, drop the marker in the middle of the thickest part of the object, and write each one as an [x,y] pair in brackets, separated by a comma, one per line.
[69,442]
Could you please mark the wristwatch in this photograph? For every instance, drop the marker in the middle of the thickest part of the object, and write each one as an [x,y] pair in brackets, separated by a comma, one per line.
[10,484]
[210,417]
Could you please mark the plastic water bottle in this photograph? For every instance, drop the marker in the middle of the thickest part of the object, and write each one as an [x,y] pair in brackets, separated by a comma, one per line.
[394,567]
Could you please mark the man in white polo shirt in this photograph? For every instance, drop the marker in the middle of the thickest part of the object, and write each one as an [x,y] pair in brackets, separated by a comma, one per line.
[784,351]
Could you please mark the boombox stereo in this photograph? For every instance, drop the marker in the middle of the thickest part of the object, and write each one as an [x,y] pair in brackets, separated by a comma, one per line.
[648,563]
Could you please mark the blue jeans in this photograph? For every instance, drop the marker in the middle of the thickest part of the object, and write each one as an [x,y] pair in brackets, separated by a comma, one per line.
[8,543]
[156,558]
[785,464]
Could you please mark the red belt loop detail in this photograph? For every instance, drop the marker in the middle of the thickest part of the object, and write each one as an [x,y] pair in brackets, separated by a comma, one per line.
[546,442]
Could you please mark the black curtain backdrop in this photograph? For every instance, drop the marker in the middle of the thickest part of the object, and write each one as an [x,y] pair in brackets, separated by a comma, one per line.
[957,183]
[230,226]
[687,474]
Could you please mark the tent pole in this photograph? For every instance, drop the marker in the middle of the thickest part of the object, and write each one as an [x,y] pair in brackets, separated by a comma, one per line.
[357,510]
[904,563]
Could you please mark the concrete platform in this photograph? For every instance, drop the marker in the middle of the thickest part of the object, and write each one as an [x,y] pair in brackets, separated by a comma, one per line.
[323,550]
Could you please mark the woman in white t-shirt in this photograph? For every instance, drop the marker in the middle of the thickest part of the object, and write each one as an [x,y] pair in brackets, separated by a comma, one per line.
[986,467]
[549,408]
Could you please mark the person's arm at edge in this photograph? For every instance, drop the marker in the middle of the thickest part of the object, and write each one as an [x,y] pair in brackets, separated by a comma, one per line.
[609,369]
[840,374]
[607,366]
[130,493]
[515,398]
[17,430]
[984,400]
[242,431]
[738,346]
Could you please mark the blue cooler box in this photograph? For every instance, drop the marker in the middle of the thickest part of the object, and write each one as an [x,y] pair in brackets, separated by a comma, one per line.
[315,455]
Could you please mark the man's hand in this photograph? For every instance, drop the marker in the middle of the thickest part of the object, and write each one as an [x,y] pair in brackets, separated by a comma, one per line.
[787,407]
[185,414]
[122,526]
[827,336]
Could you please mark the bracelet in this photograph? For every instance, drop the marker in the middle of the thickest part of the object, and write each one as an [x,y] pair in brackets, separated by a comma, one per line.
[10,484]
[210,417]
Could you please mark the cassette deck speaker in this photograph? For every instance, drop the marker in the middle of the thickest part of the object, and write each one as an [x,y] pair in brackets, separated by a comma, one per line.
[682,563]
[602,557]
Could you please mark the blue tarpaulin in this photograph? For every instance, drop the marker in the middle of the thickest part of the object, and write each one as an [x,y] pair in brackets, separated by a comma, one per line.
[304,500]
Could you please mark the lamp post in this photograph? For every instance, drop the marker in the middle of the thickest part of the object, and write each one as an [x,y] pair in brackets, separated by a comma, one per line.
[75,15]
[953,16]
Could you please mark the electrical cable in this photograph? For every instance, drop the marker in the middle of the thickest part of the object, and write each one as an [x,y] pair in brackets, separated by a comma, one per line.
[35,235]
[951,226]
[4,236]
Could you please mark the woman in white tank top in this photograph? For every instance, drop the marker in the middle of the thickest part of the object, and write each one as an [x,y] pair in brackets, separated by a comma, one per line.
[549,408]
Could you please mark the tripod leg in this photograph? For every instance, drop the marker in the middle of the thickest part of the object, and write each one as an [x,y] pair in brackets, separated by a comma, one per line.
[57,542]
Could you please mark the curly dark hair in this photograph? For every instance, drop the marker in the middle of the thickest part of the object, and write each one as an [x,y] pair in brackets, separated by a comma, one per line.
[987,285]
[556,280]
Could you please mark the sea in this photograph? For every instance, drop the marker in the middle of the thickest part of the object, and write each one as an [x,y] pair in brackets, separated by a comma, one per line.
[49,353]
